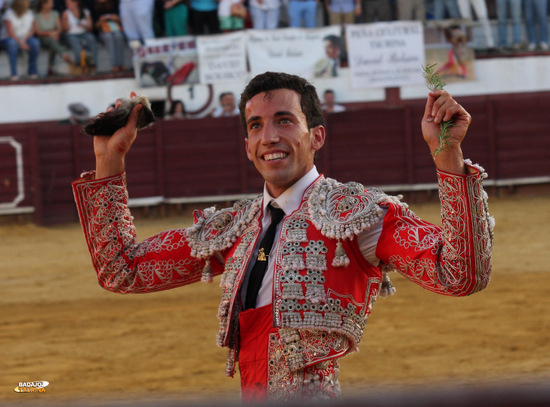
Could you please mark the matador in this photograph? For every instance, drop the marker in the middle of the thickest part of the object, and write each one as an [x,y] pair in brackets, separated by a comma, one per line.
[332,249]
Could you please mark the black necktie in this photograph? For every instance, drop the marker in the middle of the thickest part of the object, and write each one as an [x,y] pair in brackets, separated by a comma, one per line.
[258,271]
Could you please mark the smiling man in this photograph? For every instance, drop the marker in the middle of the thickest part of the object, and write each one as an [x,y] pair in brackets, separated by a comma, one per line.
[303,263]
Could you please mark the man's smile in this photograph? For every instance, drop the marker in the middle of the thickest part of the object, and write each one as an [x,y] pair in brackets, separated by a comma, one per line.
[274,156]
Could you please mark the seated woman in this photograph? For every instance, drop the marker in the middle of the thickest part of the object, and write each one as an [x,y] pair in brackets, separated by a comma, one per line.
[48,30]
[109,28]
[77,25]
[177,111]
[18,33]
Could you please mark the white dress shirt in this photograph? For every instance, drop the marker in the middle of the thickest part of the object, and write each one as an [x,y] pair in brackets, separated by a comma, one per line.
[289,201]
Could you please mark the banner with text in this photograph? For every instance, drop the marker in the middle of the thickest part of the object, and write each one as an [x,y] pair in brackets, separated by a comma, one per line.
[382,55]
[164,61]
[310,53]
[222,58]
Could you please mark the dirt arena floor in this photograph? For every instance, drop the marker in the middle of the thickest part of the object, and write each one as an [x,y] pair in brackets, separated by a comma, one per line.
[58,325]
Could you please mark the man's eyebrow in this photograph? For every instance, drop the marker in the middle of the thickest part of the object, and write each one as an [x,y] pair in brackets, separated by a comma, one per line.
[277,114]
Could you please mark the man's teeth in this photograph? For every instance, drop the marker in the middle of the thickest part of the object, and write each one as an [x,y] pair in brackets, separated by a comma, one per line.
[275,156]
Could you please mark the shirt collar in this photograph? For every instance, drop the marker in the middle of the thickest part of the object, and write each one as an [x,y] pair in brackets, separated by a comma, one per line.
[290,200]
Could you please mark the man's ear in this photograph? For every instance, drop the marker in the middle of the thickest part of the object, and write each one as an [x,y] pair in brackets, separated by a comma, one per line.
[318,139]
[248,154]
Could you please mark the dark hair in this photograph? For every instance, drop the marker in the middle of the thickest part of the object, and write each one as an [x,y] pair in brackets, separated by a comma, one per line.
[269,81]
[223,94]
[173,107]
[333,39]
[328,91]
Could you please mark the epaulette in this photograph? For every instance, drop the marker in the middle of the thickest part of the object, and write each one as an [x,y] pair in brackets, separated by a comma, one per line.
[216,230]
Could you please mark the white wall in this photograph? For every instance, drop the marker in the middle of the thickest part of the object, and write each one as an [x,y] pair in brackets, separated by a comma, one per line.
[43,102]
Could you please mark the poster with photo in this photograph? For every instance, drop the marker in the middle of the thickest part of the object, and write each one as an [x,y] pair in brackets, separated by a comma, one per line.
[166,61]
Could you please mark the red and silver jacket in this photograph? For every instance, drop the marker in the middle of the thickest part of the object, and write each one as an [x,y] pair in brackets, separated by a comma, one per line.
[323,288]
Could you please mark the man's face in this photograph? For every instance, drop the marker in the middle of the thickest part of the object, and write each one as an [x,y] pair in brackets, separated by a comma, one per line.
[228,103]
[279,142]
[329,99]
[332,51]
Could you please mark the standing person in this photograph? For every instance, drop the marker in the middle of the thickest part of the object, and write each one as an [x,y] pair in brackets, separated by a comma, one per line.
[229,20]
[480,8]
[411,10]
[137,19]
[302,11]
[77,25]
[377,10]
[343,11]
[442,6]
[109,28]
[204,17]
[176,14]
[265,14]
[17,33]
[227,108]
[48,30]
[514,7]
[330,105]
[536,14]
[303,263]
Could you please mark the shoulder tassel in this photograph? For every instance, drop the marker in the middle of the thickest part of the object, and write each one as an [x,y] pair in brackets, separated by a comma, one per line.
[207,273]
[387,287]
[341,259]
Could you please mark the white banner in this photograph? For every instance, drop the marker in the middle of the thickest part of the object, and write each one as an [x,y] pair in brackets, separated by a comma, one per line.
[222,58]
[167,60]
[383,55]
[308,52]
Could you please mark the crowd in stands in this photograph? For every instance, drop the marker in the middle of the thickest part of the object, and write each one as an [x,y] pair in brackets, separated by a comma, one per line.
[72,29]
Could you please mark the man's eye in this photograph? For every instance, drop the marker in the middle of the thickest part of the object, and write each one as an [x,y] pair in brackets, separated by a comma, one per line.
[284,120]
[254,126]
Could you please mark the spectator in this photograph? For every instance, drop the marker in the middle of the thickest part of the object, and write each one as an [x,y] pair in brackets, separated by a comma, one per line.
[48,30]
[440,6]
[78,114]
[78,26]
[377,10]
[176,14]
[17,33]
[228,107]
[177,111]
[514,6]
[109,28]
[137,19]
[330,105]
[265,14]
[480,7]
[231,15]
[204,17]
[329,65]
[536,13]
[302,10]
[411,10]
[343,11]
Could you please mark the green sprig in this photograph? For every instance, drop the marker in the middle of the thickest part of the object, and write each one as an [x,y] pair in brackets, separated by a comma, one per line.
[434,82]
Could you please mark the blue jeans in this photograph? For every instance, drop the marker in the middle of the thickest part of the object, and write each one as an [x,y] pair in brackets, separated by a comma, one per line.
[86,40]
[306,10]
[536,12]
[12,48]
[114,42]
[264,19]
[502,16]
[439,9]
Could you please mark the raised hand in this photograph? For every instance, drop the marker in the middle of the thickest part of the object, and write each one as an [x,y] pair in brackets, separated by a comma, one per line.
[441,107]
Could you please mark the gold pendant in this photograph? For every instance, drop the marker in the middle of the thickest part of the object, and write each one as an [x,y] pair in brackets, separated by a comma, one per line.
[261,255]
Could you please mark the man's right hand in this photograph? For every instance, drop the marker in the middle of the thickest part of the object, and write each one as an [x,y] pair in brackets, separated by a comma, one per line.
[110,152]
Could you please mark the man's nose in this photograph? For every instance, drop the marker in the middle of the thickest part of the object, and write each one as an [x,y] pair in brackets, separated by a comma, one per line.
[270,134]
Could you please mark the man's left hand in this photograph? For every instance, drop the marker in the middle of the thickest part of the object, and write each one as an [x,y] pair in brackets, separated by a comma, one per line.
[441,107]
